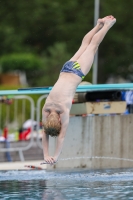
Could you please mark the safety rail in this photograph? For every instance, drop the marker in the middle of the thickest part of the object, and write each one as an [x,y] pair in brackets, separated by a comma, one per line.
[32,109]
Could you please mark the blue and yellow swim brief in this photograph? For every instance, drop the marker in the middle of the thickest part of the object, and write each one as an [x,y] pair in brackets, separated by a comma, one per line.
[73,67]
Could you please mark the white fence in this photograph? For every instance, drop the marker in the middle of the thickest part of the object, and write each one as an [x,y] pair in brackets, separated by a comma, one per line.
[12,117]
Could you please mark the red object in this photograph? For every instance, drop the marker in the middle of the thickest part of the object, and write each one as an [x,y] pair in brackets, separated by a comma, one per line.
[22,135]
[73,101]
[5,132]
[33,167]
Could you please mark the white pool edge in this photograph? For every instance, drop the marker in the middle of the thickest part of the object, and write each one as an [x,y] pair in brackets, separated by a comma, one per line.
[21,165]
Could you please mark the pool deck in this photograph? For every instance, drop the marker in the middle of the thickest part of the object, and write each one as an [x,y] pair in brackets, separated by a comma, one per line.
[20,165]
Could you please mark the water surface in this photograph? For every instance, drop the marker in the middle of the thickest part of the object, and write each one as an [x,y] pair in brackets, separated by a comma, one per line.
[67,185]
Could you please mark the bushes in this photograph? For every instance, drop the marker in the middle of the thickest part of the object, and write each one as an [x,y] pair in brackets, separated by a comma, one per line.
[40,71]
[28,63]
[54,58]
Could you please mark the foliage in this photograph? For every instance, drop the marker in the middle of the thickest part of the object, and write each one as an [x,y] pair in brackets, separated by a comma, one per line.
[37,25]
[116,50]
[53,60]
[29,63]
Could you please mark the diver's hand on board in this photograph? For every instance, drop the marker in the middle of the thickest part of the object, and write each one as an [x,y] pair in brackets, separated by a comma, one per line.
[49,160]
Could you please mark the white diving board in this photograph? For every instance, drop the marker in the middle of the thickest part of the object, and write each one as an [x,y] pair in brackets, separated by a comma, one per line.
[80,88]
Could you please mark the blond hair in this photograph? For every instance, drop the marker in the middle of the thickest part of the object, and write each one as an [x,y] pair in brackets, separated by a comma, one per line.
[52,125]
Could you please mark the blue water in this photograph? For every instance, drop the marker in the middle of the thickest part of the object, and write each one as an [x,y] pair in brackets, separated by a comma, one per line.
[76,184]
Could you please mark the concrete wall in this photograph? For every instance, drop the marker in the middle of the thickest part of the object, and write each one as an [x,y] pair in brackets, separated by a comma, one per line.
[101,136]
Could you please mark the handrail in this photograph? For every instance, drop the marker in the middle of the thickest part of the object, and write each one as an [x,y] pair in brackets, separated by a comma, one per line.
[20,149]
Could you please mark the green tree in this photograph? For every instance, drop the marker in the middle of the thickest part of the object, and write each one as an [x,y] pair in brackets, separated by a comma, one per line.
[29,63]
[36,25]
[115,54]
[53,59]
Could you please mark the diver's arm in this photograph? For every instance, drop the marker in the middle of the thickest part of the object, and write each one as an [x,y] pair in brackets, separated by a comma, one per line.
[61,137]
[45,144]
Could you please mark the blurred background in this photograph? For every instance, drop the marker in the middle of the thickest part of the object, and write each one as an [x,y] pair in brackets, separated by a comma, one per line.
[38,36]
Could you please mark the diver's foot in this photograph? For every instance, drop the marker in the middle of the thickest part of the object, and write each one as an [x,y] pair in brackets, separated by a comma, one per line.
[109,21]
[102,21]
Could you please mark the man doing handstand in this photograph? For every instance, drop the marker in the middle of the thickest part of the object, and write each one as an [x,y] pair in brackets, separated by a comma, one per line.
[57,106]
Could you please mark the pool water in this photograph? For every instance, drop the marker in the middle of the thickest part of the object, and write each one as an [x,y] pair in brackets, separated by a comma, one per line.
[77,184]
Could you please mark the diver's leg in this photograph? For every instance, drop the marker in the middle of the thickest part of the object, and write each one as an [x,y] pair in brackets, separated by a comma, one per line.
[87,39]
[86,59]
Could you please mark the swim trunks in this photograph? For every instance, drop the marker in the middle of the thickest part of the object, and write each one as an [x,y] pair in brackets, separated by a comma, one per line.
[73,67]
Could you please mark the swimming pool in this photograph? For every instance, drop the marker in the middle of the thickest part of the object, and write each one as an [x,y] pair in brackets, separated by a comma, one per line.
[77,184]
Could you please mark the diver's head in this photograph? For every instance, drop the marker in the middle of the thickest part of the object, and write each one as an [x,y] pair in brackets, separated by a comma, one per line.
[52,125]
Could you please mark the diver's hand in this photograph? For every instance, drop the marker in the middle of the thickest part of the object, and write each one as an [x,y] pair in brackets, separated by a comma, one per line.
[55,159]
[49,160]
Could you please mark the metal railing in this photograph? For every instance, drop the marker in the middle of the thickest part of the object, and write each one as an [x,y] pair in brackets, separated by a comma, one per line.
[8,112]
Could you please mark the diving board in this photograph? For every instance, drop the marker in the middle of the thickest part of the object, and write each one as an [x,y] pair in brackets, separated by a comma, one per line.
[80,88]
